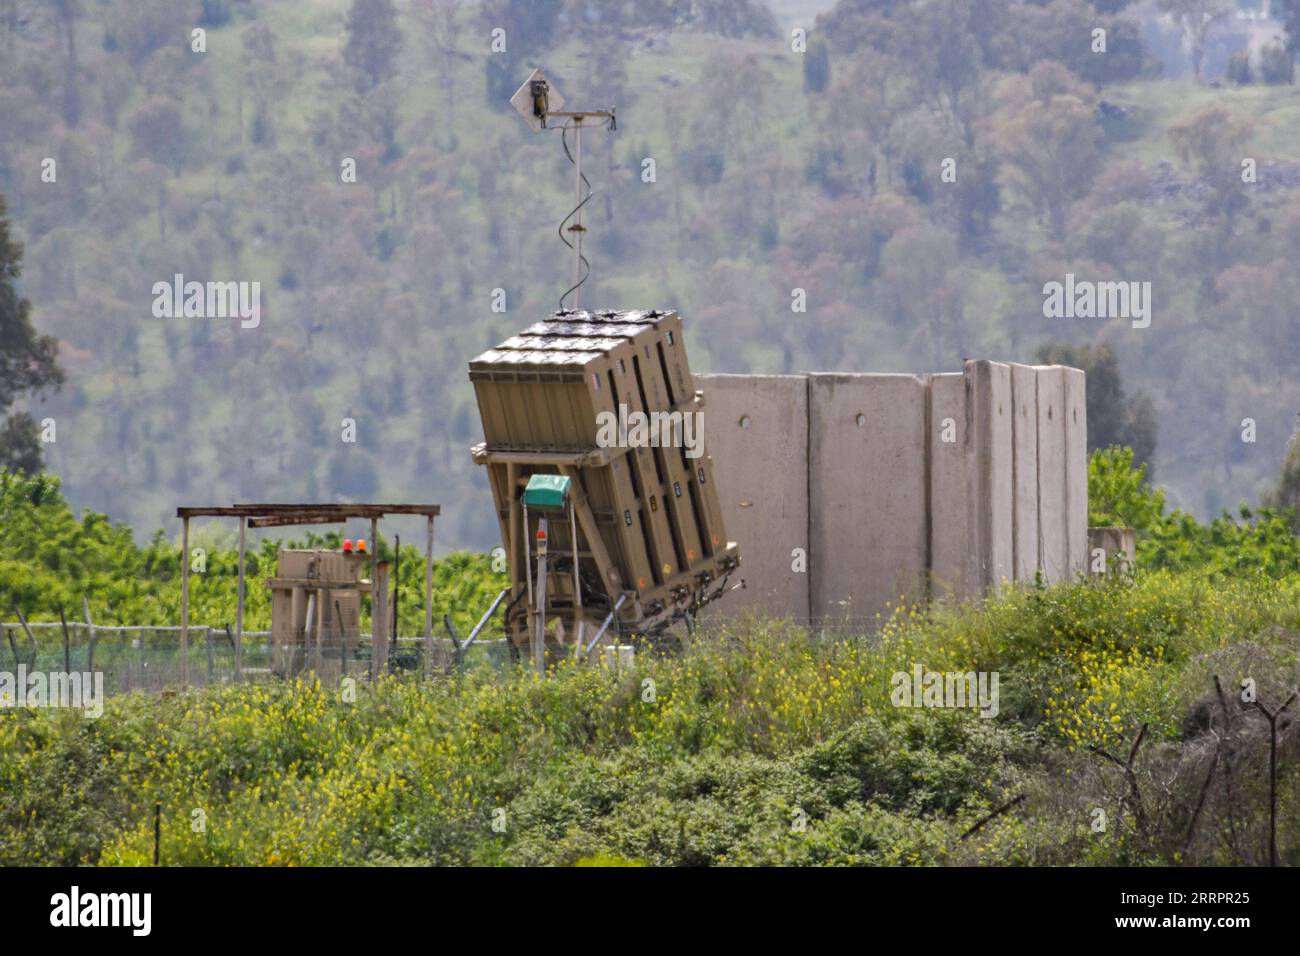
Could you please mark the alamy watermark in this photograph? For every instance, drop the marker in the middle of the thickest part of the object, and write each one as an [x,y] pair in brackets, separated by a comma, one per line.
[25,688]
[630,429]
[921,688]
[208,300]
[1084,299]
[133,911]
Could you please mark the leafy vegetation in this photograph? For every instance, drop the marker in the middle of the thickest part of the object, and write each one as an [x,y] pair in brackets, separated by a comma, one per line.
[774,170]
[1260,539]
[27,361]
[765,745]
[49,559]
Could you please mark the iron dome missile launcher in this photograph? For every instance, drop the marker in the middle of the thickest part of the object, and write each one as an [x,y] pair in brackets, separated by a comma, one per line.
[602,538]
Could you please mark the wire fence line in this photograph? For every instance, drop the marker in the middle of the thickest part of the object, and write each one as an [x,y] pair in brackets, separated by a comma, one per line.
[149,657]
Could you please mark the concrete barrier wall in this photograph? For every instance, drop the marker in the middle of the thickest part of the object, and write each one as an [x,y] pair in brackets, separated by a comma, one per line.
[989,455]
[1053,538]
[758,426]
[949,451]
[867,494]
[1076,471]
[895,485]
[1111,549]
[1024,467]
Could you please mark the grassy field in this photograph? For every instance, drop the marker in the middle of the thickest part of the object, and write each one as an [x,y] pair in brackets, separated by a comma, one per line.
[761,745]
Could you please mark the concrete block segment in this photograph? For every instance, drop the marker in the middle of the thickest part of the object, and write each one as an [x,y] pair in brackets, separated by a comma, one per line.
[867,494]
[887,481]
[1024,466]
[756,431]
[947,435]
[1075,419]
[1111,549]
[1053,550]
[990,518]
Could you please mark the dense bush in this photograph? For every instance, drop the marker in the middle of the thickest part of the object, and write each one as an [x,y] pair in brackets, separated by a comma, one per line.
[49,559]
[1276,63]
[1259,539]
[762,744]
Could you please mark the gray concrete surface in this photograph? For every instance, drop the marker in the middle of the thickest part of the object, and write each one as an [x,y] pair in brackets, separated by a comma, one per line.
[887,507]
[1024,466]
[761,468]
[990,518]
[1053,550]
[950,565]
[867,494]
[1076,471]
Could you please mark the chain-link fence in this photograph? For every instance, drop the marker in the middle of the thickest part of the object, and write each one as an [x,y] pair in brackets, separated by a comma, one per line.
[150,659]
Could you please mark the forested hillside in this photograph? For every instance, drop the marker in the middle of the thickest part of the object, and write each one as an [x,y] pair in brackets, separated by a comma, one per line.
[773,171]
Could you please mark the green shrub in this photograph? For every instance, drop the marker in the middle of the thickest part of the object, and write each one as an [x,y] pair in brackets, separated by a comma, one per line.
[1239,70]
[1276,64]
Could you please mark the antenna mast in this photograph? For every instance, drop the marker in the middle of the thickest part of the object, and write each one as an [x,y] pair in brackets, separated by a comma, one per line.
[538,102]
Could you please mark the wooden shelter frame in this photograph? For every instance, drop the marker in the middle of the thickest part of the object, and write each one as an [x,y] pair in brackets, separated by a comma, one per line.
[281,515]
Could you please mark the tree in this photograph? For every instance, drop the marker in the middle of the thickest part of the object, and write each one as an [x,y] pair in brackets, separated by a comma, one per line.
[917,268]
[733,18]
[1196,18]
[440,24]
[1286,494]
[1211,143]
[257,60]
[67,12]
[145,26]
[1289,12]
[816,67]
[1277,63]
[156,132]
[940,51]
[1048,137]
[532,28]
[28,362]
[373,42]
[1113,419]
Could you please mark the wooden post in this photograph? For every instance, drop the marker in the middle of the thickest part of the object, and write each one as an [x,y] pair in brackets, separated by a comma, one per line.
[579,616]
[320,627]
[428,601]
[31,638]
[90,626]
[539,638]
[397,583]
[239,605]
[67,643]
[379,619]
[308,625]
[185,603]
[13,646]
[516,543]
[378,645]
[289,648]
[343,639]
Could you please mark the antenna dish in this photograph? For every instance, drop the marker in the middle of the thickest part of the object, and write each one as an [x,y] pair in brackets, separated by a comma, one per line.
[537,97]
[538,101]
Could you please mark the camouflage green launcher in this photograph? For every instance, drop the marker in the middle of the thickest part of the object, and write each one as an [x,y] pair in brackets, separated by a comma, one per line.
[605,399]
